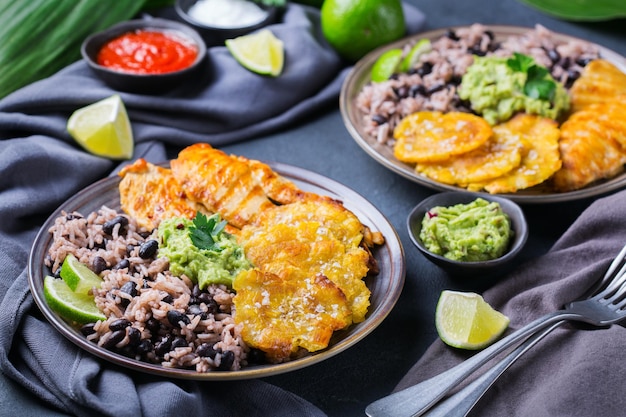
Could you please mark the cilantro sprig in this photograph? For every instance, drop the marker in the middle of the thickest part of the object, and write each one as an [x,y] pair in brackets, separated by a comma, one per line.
[205,231]
[537,86]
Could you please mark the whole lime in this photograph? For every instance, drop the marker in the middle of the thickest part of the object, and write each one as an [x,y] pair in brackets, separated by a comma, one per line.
[356,27]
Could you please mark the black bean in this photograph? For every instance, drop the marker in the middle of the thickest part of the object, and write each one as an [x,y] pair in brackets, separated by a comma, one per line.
[175,317]
[583,61]
[379,119]
[110,225]
[194,309]
[212,306]
[425,69]
[554,55]
[57,273]
[206,350]
[205,298]
[144,346]
[401,92]
[227,360]
[116,337]
[418,90]
[433,89]
[87,329]
[452,35]
[134,336]
[179,342]
[124,263]
[163,346]
[153,326]
[456,80]
[98,264]
[490,34]
[168,299]
[565,63]
[196,291]
[129,288]
[148,249]
[493,46]
[72,216]
[119,324]
[477,50]
[145,234]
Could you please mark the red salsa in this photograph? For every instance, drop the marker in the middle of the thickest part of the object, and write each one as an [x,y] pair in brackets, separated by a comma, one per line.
[148,52]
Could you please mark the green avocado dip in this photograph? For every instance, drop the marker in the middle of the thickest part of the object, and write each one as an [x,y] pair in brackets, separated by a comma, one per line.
[477,231]
[499,87]
[201,250]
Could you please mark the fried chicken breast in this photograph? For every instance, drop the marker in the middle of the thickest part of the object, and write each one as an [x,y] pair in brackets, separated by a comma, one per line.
[221,183]
[150,193]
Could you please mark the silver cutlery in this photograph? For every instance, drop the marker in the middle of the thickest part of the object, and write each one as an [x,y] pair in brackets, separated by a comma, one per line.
[603,307]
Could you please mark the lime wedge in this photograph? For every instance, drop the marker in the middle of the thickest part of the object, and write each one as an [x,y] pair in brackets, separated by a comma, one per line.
[78,276]
[465,320]
[103,128]
[260,52]
[386,65]
[72,306]
[420,48]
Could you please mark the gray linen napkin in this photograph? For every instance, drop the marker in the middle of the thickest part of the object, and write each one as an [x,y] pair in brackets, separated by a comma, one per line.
[41,167]
[573,371]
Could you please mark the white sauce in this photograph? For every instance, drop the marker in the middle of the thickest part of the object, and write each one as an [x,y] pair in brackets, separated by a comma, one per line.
[227,13]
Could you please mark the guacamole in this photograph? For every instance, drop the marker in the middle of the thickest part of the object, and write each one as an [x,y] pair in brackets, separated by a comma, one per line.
[477,231]
[498,87]
[218,265]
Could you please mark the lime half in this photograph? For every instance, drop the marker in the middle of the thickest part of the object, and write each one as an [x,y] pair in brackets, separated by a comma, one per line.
[78,276]
[386,65]
[72,306]
[103,128]
[419,49]
[465,320]
[260,52]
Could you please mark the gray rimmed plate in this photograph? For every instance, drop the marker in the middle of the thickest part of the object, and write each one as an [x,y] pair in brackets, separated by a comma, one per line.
[383,154]
[385,287]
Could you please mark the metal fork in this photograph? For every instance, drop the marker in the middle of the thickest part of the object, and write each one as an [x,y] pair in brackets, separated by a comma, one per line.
[602,308]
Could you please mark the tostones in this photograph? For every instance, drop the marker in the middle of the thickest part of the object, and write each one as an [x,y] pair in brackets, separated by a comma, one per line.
[280,315]
[432,136]
[540,155]
[498,156]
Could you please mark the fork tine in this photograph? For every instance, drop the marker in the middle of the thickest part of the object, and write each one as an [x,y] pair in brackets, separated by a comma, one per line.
[609,275]
[613,288]
[618,299]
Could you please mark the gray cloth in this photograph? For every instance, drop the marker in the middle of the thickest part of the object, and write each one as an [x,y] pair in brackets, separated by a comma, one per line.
[41,167]
[573,371]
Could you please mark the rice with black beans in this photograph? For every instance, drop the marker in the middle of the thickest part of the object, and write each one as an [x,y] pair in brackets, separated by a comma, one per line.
[152,315]
[432,83]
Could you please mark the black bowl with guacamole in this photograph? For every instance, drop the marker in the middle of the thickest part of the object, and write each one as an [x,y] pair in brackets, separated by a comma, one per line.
[468,233]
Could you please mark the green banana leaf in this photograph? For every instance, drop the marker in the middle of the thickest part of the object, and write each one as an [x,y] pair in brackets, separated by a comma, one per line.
[581,10]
